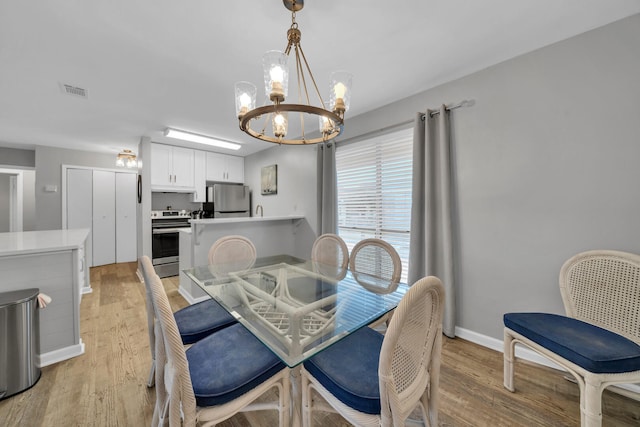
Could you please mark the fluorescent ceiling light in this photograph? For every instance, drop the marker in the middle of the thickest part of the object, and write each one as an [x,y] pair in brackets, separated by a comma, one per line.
[200,139]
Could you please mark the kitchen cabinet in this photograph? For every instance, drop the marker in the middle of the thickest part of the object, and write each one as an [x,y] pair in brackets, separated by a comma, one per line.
[200,176]
[225,168]
[171,168]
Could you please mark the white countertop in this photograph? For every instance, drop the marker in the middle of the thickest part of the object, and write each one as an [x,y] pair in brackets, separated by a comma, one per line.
[31,242]
[214,221]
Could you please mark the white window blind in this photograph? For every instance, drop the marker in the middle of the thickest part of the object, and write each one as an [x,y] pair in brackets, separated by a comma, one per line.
[374,191]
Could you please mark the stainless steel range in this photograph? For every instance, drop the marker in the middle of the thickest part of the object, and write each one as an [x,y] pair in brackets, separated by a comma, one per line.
[165,226]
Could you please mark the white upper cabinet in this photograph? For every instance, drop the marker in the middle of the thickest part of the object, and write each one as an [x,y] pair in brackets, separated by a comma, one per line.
[225,168]
[199,175]
[172,168]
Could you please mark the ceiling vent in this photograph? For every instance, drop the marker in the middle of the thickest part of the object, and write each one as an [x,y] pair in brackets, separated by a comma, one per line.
[74,90]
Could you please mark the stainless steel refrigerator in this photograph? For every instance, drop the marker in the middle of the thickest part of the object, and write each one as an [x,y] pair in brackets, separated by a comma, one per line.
[228,200]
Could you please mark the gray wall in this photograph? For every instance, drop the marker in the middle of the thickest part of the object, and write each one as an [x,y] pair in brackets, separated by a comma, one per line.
[49,161]
[546,165]
[17,157]
[296,188]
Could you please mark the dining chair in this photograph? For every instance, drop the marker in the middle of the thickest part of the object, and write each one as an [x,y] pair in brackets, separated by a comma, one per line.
[194,322]
[215,378]
[598,340]
[374,379]
[377,267]
[330,255]
[232,253]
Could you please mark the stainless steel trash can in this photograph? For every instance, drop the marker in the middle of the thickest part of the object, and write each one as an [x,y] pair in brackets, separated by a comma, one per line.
[19,341]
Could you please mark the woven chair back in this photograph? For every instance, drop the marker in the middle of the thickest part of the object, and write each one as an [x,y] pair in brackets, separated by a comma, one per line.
[602,287]
[171,364]
[376,258]
[330,249]
[410,356]
[232,253]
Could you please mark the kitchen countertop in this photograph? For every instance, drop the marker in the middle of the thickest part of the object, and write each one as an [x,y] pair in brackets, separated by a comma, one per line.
[31,242]
[245,219]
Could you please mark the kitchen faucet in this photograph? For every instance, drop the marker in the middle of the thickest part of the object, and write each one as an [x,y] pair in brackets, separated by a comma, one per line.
[259,207]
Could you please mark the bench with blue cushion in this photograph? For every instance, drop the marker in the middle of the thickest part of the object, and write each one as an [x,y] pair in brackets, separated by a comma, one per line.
[593,348]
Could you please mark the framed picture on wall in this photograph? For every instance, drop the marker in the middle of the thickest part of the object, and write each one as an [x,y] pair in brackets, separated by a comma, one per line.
[269,180]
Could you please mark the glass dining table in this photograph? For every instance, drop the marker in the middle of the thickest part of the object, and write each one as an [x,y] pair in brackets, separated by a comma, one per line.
[298,307]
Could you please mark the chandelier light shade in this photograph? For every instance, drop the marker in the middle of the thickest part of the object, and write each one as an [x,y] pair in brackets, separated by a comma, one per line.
[126,158]
[311,113]
[245,98]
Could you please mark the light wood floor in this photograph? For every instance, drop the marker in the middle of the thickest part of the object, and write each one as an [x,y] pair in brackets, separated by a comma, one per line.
[107,385]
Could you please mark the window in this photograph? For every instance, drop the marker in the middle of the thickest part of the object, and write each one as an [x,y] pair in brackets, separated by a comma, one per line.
[374,191]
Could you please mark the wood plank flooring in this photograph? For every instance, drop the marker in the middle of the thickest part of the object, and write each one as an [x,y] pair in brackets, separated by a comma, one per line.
[106,386]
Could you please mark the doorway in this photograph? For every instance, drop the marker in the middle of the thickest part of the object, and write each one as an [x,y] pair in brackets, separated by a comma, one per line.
[11,200]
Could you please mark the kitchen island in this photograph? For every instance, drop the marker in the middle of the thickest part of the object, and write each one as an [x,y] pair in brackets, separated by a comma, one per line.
[271,235]
[54,262]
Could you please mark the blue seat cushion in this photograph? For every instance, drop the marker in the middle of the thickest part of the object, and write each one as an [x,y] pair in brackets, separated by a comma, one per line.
[202,319]
[595,349]
[229,363]
[349,370]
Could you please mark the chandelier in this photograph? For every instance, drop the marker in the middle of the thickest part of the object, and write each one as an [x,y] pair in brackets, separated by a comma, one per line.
[126,158]
[270,122]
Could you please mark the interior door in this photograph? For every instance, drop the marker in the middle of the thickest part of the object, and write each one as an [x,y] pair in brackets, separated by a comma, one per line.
[80,204]
[104,221]
[126,193]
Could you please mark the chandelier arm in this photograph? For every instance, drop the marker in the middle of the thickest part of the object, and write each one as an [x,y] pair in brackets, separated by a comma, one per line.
[312,78]
[302,83]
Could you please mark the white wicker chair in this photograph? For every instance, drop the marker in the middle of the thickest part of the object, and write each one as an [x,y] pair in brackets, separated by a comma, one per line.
[194,321]
[403,366]
[381,267]
[601,294]
[230,366]
[231,253]
[330,255]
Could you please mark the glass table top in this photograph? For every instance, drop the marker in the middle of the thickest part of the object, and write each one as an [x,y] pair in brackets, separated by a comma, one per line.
[298,307]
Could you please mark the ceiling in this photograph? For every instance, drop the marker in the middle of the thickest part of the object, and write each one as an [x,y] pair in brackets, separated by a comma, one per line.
[150,64]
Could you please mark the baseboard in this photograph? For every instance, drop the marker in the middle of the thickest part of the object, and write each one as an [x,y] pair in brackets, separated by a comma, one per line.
[86,290]
[59,355]
[522,353]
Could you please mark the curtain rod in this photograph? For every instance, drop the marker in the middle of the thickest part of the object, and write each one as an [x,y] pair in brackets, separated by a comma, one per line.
[463,103]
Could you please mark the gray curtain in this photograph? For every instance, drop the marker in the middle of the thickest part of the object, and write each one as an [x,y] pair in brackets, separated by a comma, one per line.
[431,247]
[327,189]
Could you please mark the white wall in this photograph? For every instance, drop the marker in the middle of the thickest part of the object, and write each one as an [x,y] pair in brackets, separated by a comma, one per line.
[546,165]
[297,182]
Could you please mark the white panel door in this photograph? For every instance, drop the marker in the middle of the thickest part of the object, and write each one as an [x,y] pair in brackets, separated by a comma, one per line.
[80,204]
[126,193]
[104,218]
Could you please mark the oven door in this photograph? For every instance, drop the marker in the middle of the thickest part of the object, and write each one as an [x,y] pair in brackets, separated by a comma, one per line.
[164,245]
